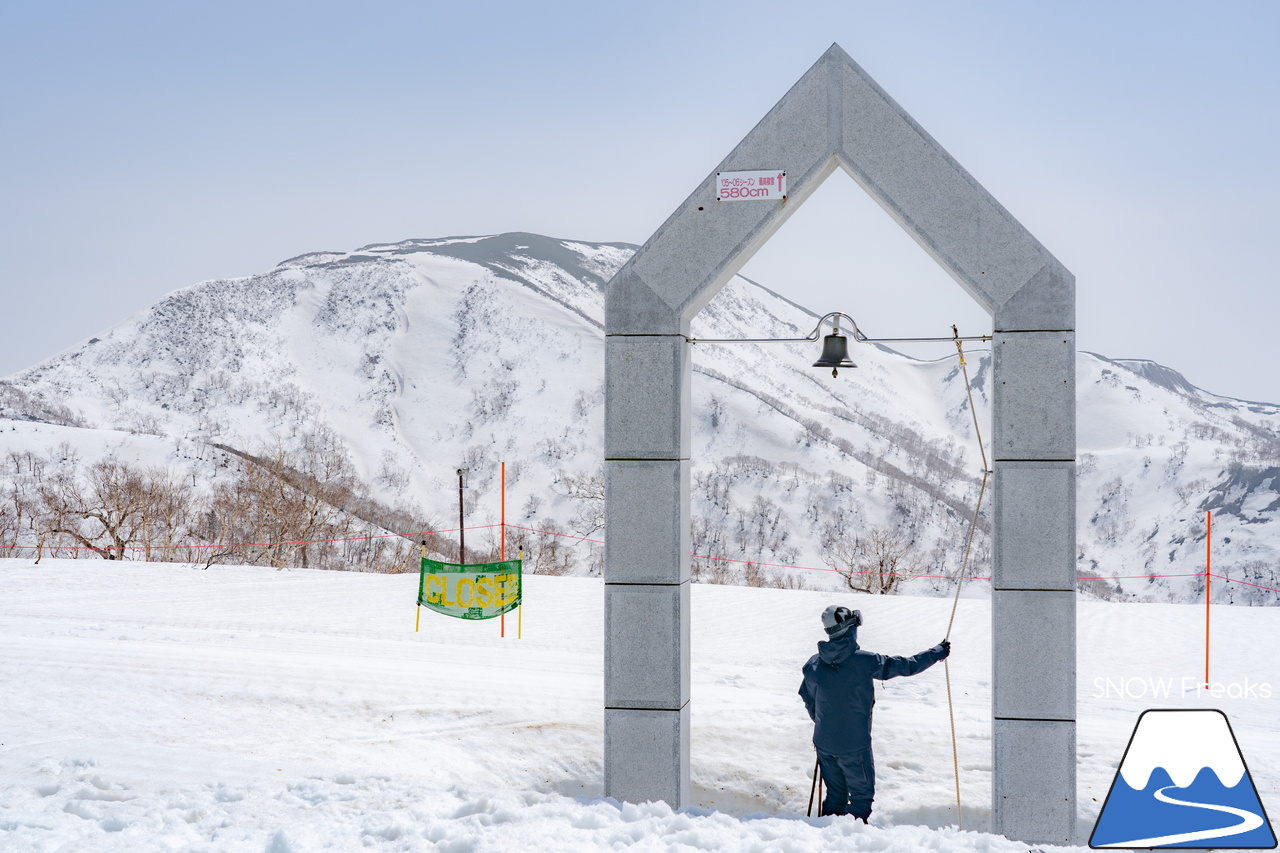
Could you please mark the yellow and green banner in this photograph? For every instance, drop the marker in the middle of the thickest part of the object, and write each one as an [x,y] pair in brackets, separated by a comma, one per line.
[477,591]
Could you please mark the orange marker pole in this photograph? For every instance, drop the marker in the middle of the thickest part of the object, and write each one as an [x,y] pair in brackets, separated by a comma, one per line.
[502,490]
[1208,554]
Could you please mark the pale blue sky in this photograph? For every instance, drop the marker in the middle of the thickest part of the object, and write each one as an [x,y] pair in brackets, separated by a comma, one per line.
[148,146]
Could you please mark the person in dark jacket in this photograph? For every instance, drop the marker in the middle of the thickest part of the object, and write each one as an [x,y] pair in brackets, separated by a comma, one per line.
[838,694]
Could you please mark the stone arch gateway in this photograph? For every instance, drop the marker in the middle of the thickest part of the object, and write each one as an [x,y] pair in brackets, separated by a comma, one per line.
[836,116]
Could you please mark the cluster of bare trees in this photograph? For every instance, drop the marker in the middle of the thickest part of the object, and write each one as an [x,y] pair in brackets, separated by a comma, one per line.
[743,573]
[108,508]
[558,549]
[304,505]
[301,506]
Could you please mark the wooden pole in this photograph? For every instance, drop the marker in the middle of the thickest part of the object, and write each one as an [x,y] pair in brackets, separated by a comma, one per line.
[462,530]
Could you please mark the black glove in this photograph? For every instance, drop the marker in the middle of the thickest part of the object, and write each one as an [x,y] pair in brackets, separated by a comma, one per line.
[946,649]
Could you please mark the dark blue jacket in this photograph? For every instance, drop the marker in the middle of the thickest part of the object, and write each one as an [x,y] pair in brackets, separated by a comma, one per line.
[838,691]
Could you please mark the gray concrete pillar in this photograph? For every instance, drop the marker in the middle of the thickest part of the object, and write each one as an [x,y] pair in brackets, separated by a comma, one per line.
[646,664]
[1033,608]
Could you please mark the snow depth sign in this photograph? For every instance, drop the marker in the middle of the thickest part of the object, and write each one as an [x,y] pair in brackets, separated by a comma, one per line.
[1183,783]
[739,186]
[479,591]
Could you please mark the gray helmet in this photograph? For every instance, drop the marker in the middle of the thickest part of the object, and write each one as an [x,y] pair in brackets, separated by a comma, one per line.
[838,619]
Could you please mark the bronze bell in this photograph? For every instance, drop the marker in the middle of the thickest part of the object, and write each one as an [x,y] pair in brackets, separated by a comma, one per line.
[835,352]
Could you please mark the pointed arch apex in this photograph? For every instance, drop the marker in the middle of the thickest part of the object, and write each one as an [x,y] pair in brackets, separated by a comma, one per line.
[836,115]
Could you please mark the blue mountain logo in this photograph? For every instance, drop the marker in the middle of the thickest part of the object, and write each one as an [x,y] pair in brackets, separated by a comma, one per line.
[1183,783]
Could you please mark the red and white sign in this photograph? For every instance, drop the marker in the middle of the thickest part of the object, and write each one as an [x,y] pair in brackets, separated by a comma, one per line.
[751,186]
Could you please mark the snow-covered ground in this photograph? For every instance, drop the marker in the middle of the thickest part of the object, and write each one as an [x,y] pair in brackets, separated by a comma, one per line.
[158,707]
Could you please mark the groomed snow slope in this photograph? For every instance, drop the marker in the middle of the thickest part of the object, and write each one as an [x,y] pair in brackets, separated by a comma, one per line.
[157,707]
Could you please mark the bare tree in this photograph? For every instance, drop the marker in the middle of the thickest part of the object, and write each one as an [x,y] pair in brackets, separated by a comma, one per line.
[10,521]
[587,493]
[106,513]
[170,512]
[19,511]
[552,553]
[786,580]
[875,561]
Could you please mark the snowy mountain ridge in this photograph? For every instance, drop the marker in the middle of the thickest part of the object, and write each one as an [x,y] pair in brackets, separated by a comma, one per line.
[428,355]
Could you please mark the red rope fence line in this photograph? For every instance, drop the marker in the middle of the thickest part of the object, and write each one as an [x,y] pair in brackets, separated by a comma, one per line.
[821,568]
[1143,577]
[419,534]
[1246,583]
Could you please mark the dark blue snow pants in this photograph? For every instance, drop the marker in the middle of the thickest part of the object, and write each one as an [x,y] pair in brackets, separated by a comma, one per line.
[850,781]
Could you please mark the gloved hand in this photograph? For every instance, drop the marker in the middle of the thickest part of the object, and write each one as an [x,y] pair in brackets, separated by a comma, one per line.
[946,649]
